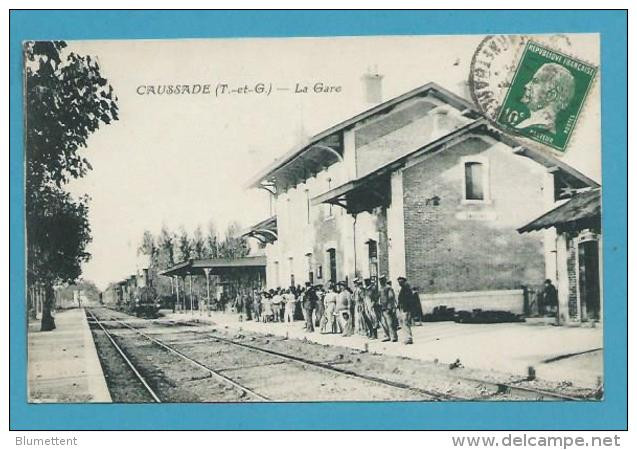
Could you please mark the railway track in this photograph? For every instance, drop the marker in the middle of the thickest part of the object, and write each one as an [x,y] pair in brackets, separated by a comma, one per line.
[498,388]
[171,349]
[303,361]
[125,358]
[430,395]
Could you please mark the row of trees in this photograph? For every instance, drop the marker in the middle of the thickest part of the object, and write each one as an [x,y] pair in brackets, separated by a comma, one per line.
[171,247]
[66,100]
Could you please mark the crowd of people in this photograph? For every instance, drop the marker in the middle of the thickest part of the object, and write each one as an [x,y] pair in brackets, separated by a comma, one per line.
[335,308]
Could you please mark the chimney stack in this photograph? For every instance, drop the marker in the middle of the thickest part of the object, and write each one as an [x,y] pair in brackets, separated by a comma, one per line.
[373,86]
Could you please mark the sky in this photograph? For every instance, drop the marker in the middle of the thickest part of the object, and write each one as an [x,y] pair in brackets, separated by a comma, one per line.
[184,160]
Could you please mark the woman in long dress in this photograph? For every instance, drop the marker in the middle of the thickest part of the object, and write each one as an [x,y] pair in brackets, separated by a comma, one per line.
[371,309]
[328,323]
[361,322]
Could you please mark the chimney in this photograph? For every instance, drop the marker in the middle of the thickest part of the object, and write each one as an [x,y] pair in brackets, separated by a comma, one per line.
[373,86]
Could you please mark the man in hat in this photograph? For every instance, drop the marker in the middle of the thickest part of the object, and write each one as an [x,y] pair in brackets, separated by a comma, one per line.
[320,305]
[387,303]
[310,300]
[407,307]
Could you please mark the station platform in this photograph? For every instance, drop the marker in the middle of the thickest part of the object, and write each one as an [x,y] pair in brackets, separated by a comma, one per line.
[559,354]
[63,363]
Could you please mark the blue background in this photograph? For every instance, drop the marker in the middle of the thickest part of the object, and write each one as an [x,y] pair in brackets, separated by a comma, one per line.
[609,414]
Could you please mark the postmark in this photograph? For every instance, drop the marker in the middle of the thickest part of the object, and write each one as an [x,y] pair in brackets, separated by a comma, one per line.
[492,67]
[546,95]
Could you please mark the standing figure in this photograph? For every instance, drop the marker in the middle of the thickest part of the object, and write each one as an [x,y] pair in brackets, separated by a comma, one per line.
[371,308]
[549,298]
[343,310]
[320,305]
[266,305]
[247,305]
[361,322]
[387,303]
[328,322]
[310,301]
[407,308]
[419,315]
[290,305]
[299,312]
[256,305]
[238,306]
[277,302]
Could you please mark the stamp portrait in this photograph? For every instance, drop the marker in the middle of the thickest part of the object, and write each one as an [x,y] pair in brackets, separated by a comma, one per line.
[546,95]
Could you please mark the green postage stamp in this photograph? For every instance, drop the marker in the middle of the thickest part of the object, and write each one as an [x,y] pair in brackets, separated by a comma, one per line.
[546,95]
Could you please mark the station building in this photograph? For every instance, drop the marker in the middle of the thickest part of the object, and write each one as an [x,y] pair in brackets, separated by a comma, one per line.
[418,186]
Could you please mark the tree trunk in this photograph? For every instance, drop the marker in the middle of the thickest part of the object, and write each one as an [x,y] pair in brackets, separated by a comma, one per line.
[48,323]
[33,313]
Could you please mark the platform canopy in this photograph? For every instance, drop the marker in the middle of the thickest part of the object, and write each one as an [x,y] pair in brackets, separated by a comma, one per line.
[581,211]
[217,266]
[360,195]
[265,231]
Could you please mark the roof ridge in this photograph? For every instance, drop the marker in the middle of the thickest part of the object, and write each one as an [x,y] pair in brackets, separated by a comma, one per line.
[353,120]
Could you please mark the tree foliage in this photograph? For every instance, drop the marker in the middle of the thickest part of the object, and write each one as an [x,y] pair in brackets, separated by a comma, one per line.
[165,251]
[212,240]
[147,246]
[58,233]
[66,100]
[234,245]
[198,244]
[184,245]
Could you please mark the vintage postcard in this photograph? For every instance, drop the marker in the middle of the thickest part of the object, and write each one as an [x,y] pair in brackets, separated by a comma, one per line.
[382,218]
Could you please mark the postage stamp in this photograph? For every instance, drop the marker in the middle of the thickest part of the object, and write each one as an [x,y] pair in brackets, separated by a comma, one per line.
[546,95]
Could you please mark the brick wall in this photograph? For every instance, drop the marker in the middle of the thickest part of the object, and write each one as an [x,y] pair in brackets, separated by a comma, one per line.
[571,267]
[452,246]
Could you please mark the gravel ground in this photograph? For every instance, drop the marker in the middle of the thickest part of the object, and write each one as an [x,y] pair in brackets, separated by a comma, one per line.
[280,380]
[172,378]
[120,379]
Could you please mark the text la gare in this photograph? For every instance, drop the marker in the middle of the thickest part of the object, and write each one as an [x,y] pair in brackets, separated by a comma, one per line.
[317,88]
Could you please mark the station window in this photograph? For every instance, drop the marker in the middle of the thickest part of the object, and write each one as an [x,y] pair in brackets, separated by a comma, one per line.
[476,183]
[310,273]
[307,204]
[332,257]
